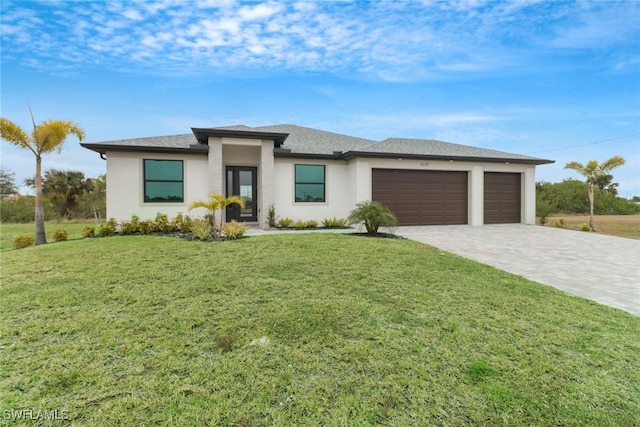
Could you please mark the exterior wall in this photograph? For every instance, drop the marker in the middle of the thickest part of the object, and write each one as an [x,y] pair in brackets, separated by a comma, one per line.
[266,181]
[125,181]
[361,177]
[346,182]
[339,194]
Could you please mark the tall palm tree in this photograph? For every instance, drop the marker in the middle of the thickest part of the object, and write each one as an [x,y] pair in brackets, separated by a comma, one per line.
[595,173]
[46,137]
[216,201]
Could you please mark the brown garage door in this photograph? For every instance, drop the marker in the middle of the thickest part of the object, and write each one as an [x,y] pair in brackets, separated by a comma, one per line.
[501,198]
[419,197]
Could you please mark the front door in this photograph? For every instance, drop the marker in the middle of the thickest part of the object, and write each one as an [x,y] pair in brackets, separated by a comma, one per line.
[243,181]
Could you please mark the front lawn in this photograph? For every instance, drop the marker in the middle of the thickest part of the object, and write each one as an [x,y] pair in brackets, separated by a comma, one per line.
[303,329]
[8,232]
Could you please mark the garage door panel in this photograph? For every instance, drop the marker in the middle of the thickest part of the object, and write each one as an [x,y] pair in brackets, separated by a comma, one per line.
[502,195]
[419,197]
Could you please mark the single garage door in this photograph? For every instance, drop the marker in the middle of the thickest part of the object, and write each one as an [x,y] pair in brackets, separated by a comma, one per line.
[419,197]
[502,198]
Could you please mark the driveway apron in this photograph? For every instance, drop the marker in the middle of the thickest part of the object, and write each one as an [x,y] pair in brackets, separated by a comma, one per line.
[602,268]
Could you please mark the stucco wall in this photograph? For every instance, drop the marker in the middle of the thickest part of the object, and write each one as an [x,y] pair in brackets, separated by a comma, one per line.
[125,181]
[362,172]
[339,191]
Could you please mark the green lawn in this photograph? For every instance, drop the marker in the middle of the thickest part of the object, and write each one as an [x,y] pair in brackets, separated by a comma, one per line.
[303,329]
[8,232]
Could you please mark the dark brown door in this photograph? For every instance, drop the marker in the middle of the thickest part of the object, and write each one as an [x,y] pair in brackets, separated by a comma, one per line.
[243,181]
[419,197]
[502,198]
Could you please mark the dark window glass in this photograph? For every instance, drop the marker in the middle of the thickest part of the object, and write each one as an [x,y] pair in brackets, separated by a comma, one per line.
[163,181]
[310,183]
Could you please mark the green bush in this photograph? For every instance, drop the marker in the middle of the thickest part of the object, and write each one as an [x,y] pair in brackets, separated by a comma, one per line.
[311,223]
[22,210]
[181,223]
[146,226]
[334,222]
[162,224]
[126,227]
[88,232]
[374,215]
[135,223]
[23,241]
[584,227]
[234,230]
[285,222]
[560,223]
[108,228]
[299,224]
[271,216]
[60,235]
[201,229]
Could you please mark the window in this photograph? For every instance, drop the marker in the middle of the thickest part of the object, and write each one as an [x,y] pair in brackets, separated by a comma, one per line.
[309,183]
[163,181]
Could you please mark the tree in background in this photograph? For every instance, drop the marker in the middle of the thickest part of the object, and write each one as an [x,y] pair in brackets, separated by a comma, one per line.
[46,137]
[7,183]
[64,189]
[595,173]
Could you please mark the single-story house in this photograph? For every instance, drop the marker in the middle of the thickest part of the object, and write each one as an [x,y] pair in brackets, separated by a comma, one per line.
[313,174]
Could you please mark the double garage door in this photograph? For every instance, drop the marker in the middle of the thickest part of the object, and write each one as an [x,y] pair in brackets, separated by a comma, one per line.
[421,197]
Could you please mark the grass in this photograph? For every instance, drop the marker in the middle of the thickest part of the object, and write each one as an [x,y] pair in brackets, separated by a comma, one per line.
[8,232]
[305,329]
[615,225]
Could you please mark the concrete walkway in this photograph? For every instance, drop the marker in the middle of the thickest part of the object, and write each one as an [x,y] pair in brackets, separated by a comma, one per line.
[602,268]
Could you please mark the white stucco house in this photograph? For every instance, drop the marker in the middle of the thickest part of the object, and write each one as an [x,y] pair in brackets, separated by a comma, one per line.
[313,174]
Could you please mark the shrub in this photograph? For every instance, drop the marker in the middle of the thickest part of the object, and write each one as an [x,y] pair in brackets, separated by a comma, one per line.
[584,227]
[299,224]
[107,228]
[234,230]
[23,241]
[126,227]
[543,210]
[271,216]
[162,224]
[373,215]
[181,223]
[88,232]
[135,223]
[201,229]
[285,222]
[60,235]
[146,226]
[334,222]
[560,223]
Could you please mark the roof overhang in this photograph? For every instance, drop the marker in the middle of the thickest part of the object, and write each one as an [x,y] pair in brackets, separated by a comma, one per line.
[203,134]
[103,148]
[353,154]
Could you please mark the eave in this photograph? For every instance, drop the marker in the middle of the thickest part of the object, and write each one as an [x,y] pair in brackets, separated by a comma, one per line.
[203,134]
[103,148]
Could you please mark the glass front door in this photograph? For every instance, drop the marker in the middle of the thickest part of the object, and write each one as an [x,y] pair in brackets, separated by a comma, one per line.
[243,181]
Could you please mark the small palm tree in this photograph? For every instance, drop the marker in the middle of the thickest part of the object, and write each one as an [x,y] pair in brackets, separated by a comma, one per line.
[595,174]
[373,215]
[46,137]
[216,201]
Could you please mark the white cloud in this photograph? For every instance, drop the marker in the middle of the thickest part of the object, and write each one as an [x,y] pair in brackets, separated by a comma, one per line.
[399,41]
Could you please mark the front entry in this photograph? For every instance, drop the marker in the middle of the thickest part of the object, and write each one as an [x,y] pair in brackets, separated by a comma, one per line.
[243,181]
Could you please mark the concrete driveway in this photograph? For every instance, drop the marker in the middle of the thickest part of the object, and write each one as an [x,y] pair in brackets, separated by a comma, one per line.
[602,268]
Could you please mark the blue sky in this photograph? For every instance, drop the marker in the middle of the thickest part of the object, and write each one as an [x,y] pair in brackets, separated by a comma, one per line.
[549,79]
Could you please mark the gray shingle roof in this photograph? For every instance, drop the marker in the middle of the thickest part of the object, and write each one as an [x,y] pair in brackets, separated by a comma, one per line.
[426,147]
[307,141]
